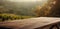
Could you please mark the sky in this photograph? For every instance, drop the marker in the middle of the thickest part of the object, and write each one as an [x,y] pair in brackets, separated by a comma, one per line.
[26,0]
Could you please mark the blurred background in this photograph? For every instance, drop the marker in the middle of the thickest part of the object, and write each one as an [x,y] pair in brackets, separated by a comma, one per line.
[23,9]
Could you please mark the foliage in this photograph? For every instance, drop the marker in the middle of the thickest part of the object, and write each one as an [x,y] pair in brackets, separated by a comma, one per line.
[9,16]
[49,9]
[4,17]
[19,8]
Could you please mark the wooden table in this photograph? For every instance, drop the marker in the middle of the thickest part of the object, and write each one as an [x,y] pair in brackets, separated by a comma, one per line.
[32,23]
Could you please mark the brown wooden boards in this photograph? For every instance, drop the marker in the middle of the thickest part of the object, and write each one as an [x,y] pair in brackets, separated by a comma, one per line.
[30,23]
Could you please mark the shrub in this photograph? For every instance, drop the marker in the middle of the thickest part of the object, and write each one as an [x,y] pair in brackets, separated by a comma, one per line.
[4,17]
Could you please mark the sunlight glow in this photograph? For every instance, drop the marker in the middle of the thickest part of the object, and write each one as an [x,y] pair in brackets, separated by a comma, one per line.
[24,0]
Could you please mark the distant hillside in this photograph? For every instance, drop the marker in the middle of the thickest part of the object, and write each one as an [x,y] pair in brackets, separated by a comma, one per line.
[20,8]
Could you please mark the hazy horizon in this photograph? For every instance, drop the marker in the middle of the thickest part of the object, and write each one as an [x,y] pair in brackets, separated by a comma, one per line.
[27,0]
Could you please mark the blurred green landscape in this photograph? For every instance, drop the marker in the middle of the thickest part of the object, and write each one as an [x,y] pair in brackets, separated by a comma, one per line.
[18,10]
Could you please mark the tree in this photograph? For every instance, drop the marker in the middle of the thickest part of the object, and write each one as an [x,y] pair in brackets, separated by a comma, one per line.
[50,9]
[37,11]
[56,9]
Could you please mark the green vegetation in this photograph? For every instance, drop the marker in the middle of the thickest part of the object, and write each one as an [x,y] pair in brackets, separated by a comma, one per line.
[4,17]
[23,10]
[19,8]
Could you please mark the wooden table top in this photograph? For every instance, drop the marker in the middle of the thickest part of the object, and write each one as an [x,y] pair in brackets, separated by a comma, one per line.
[30,23]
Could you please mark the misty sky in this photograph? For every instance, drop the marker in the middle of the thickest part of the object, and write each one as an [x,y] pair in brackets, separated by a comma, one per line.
[26,0]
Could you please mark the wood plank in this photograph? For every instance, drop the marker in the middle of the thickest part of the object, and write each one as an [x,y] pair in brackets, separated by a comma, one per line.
[30,23]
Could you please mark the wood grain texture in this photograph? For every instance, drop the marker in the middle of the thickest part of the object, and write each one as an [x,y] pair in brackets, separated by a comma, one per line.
[30,23]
